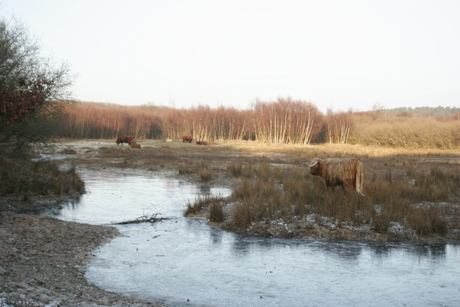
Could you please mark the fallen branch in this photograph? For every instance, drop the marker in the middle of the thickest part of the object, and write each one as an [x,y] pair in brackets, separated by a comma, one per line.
[142,219]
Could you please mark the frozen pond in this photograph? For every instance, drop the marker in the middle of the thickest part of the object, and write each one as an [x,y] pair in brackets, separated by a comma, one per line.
[184,262]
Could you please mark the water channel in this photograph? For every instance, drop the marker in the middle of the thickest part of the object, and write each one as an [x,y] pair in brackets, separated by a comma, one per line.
[185,262]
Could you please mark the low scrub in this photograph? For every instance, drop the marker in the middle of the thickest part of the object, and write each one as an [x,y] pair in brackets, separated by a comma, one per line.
[25,179]
[388,200]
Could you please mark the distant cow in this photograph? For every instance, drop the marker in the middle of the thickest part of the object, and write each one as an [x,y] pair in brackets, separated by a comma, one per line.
[187,138]
[133,144]
[124,139]
[201,143]
[347,173]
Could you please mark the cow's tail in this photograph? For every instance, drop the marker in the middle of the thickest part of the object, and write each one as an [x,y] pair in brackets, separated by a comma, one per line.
[359,178]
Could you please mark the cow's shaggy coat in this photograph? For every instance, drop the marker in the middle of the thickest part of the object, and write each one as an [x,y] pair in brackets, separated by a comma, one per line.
[134,144]
[347,173]
[124,139]
[187,138]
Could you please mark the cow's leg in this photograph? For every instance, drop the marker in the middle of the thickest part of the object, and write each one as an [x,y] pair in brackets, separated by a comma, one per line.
[348,186]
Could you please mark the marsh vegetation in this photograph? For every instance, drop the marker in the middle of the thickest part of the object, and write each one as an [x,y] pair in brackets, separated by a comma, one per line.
[410,194]
[24,184]
[408,205]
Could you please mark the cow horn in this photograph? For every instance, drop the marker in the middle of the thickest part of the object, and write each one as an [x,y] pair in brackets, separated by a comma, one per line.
[313,163]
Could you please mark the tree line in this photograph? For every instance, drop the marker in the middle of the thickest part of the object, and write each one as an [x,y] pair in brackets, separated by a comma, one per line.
[282,121]
[427,111]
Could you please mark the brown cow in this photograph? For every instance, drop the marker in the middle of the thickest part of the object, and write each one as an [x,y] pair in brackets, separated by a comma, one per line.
[201,143]
[347,173]
[187,138]
[124,139]
[133,144]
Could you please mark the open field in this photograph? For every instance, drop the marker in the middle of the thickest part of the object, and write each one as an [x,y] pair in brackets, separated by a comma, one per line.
[411,195]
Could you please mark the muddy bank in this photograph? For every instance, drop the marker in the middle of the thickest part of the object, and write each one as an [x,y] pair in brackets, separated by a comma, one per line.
[44,259]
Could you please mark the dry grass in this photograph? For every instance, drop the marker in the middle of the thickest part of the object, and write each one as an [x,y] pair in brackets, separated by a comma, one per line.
[405,132]
[26,180]
[204,172]
[214,203]
[389,199]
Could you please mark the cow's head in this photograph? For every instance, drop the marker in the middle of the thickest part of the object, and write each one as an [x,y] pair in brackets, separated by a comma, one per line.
[314,166]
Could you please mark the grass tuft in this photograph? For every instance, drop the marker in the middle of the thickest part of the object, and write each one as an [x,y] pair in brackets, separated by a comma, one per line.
[216,213]
[214,203]
[204,172]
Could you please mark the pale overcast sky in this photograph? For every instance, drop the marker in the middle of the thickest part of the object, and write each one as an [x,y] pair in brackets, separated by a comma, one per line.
[334,53]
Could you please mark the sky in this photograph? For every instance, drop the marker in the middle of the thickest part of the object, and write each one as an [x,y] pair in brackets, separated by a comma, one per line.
[339,55]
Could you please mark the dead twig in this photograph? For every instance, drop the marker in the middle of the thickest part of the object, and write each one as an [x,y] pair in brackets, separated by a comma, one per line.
[142,219]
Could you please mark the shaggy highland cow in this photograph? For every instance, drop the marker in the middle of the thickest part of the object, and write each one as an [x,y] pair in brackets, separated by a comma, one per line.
[124,139]
[187,138]
[347,173]
[134,144]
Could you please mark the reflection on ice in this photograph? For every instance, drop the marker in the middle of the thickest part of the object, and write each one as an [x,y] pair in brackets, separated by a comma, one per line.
[184,262]
[114,197]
